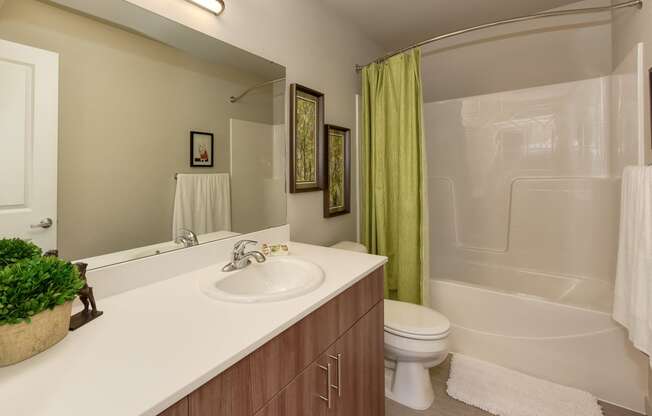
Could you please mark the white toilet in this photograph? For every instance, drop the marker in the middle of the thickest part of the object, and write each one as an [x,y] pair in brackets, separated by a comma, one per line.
[415,341]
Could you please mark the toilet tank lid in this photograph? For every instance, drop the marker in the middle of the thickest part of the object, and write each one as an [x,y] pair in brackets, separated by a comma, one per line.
[351,246]
[412,319]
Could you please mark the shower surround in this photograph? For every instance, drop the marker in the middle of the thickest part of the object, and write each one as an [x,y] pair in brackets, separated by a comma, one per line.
[524,191]
[521,193]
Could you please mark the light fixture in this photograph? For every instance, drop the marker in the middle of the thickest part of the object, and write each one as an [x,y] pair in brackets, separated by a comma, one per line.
[213,6]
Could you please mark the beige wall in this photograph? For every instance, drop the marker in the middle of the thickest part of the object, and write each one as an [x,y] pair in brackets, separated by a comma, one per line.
[523,55]
[631,26]
[319,50]
[127,104]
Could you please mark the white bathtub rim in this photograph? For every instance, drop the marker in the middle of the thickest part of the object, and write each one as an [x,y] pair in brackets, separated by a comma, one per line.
[543,338]
[527,296]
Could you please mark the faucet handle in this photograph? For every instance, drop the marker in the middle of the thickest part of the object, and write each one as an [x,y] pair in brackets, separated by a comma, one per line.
[182,232]
[239,247]
[187,234]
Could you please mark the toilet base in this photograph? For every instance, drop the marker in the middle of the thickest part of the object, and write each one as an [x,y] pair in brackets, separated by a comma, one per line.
[409,384]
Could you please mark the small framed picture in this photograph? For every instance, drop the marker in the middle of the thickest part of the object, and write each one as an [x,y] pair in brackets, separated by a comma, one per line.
[201,149]
[337,192]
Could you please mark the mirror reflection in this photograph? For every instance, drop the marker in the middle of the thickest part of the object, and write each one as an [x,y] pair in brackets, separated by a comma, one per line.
[117,144]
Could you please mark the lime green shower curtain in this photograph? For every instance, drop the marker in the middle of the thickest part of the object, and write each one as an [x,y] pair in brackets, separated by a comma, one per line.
[393,192]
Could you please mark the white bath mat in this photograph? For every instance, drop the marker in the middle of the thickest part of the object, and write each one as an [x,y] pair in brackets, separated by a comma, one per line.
[505,392]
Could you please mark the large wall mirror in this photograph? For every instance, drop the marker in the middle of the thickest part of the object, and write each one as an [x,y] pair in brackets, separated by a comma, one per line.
[98,158]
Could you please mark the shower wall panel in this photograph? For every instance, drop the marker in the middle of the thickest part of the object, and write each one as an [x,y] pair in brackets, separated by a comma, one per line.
[522,193]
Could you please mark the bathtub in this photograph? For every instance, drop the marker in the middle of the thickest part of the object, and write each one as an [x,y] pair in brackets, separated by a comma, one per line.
[570,345]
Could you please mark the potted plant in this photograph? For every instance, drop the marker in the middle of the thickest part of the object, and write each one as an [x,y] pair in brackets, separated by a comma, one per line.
[36,295]
[13,250]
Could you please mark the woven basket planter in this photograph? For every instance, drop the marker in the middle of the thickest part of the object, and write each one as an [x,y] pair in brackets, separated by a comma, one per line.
[21,341]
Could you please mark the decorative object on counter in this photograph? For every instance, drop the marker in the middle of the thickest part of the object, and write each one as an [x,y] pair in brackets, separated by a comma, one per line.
[201,149]
[87,298]
[337,190]
[270,249]
[306,144]
[36,294]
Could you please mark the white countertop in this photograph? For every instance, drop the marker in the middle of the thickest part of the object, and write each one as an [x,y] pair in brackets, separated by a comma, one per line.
[157,343]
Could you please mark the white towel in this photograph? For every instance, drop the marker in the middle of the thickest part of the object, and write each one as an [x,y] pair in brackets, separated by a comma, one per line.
[202,203]
[633,292]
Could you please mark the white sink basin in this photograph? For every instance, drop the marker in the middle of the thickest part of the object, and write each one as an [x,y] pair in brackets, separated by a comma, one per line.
[276,279]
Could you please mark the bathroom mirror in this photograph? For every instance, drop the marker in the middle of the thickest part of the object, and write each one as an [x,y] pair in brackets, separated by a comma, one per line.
[104,111]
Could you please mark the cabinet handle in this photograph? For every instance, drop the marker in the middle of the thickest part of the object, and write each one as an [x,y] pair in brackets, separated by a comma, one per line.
[328,398]
[338,358]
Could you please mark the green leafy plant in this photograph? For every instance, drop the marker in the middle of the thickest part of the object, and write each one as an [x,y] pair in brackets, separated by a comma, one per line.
[13,250]
[31,286]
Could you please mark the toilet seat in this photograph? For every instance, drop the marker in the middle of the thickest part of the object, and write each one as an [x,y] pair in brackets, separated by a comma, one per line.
[417,337]
[414,321]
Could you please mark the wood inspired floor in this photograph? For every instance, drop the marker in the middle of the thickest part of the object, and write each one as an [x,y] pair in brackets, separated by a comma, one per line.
[445,405]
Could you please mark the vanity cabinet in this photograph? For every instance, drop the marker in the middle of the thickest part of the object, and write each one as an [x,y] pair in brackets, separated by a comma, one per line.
[288,376]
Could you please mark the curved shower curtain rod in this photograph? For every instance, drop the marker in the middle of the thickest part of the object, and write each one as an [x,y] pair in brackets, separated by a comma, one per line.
[234,99]
[633,3]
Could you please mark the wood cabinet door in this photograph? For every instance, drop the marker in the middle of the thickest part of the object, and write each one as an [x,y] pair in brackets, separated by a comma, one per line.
[361,389]
[277,363]
[228,394]
[306,394]
[180,408]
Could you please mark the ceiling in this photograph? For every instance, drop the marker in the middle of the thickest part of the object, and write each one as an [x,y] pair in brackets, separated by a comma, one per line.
[393,24]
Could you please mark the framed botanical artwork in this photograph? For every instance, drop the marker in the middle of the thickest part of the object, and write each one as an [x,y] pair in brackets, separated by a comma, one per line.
[306,144]
[201,149]
[337,192]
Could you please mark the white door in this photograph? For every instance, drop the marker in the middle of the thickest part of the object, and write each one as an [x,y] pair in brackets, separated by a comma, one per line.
[29,112]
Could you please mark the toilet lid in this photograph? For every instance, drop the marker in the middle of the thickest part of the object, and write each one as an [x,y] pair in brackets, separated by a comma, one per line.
[412,320]
[351,246]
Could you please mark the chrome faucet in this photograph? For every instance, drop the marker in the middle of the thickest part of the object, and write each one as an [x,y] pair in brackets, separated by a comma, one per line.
[241,259]
[186,237]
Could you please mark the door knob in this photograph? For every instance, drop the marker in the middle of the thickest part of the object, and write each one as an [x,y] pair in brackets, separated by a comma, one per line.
[45,223]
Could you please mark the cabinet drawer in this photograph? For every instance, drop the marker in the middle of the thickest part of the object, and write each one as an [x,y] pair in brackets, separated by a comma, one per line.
[279,361]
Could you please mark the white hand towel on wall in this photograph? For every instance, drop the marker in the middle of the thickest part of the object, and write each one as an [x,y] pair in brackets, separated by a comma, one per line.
[202,203]
[633,292]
